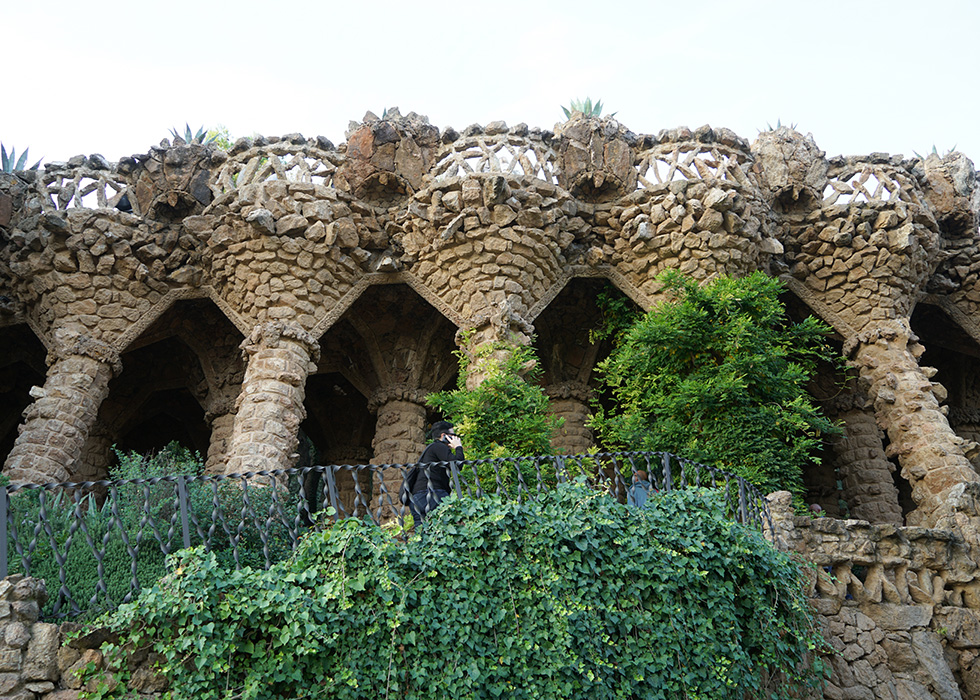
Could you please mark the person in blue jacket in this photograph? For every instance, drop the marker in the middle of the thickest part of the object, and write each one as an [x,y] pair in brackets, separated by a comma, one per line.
[639,491]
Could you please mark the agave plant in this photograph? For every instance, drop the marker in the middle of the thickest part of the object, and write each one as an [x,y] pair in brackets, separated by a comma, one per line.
[10,163]
[189,136]
[779,124]
[586,108]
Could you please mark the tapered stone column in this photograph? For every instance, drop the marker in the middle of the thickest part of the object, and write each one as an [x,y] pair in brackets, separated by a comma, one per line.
[96,457]
[934,459]
[347,488]
[221,417]
[57,424]
[570,401]
[865,472]
[399,439]
[280,356]
[490,339]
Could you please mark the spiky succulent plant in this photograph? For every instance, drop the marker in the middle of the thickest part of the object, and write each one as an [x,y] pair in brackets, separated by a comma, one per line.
[10,162]
[586,108]
[189,136]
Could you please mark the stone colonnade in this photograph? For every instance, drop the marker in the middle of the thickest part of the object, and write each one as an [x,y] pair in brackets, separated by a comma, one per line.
[487,225]
[58,423]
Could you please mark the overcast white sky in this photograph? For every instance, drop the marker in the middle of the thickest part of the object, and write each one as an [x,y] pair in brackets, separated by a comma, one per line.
[114,77]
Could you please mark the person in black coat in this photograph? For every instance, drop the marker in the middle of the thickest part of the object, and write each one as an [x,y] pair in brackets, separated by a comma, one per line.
[430,481]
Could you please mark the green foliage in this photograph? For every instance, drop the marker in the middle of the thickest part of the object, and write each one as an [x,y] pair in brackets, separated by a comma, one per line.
[10,162]
[507,414]
[77,524]
[717,374]
[586,108]
[64,509]
[619,314]
[570,596]
[202,136]
[220,137]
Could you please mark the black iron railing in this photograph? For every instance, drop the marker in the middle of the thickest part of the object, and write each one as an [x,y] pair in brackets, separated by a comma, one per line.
[97,543]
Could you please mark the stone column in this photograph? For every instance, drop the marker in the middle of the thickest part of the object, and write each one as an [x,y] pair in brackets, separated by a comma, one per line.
[221,417]
[346,490]
[280,356]
[570,400]
[57,424]
[489,339]
[865,471]
[398,439]
[934,459]
[96,455]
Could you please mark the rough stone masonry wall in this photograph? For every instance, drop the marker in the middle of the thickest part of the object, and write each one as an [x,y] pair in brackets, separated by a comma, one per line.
[486,227]
[899,605]
[42,660]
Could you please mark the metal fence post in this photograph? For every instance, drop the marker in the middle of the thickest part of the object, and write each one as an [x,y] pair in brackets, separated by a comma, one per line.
[668,479]
[454,470]
[742,514]
[182,500]
[4,500]
[329,475]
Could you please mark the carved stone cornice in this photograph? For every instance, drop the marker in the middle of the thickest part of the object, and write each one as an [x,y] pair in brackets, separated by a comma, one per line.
[70,343]
[271,333]
[396,392]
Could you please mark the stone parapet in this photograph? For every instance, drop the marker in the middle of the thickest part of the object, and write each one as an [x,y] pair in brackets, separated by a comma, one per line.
[899,605]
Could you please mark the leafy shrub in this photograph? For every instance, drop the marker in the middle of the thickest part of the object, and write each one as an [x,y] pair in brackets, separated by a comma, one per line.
[505,416]
[570,596]
[717,374]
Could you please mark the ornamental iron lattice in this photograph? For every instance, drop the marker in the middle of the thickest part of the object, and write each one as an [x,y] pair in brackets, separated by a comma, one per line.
[98,543]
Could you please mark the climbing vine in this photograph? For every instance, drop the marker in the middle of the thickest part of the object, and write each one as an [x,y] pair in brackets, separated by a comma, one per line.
[570,596]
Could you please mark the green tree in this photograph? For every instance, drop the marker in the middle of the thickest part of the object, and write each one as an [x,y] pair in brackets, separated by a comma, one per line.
[507,414]
[717,374]
[503,419]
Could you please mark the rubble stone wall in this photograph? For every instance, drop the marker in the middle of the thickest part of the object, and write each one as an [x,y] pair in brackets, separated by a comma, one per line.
[899,605]
[124,271]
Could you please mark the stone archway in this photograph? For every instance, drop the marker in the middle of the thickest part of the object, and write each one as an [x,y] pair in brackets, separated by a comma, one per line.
[22,366]
[568,353]
[393,348]
[955,355]
[182,376]
[855,477]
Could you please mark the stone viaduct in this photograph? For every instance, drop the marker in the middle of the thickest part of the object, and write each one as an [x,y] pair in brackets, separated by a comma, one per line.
[233,299]
[228,299]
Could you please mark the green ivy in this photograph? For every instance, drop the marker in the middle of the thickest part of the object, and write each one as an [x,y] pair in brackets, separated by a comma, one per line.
[570,596]
[718,374]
